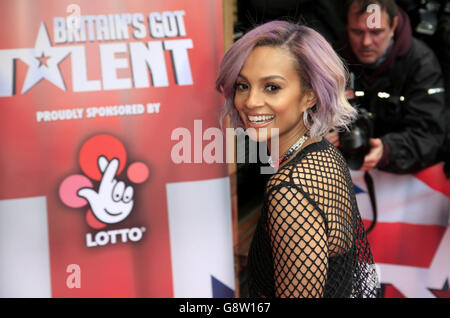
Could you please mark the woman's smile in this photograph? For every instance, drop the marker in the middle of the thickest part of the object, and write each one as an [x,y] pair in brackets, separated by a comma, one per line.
[259,120]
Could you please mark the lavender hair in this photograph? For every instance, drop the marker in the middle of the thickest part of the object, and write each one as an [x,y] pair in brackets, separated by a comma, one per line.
[319,68]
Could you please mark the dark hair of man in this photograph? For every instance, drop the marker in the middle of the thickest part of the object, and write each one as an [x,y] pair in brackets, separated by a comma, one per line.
[389,5]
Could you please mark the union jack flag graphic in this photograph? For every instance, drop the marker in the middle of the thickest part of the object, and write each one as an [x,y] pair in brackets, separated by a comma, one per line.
[411,239]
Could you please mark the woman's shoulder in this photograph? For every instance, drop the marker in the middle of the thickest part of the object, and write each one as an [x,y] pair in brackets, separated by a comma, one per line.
[318,155]
[312,156]
[301,160]
[319,161]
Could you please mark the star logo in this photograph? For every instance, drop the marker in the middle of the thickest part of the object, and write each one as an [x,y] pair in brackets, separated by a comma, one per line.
[42,60]
[46,66]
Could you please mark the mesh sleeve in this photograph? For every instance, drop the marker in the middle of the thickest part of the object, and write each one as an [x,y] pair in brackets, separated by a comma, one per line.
[299,247]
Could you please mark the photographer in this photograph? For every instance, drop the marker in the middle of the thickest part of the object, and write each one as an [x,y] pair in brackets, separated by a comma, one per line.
[397,78]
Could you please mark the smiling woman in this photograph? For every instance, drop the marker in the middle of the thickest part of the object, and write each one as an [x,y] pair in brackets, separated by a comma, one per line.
[266,88]
[310,240]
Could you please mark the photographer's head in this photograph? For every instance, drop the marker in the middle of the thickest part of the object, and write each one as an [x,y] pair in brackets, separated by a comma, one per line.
[370,26]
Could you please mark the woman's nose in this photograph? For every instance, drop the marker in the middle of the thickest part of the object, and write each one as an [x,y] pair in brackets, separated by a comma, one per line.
[255,99]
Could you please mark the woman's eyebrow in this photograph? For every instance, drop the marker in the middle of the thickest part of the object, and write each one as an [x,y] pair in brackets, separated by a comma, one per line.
[265,78]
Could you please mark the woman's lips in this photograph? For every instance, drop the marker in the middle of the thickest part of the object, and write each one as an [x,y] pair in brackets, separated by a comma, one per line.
[259,120]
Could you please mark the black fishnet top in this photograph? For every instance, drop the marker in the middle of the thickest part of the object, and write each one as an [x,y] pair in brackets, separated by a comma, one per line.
[310,240]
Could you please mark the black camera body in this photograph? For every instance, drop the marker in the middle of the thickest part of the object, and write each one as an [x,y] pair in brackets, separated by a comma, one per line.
[355,143]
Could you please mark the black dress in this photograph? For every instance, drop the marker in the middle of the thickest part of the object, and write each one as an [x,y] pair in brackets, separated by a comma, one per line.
[310,240]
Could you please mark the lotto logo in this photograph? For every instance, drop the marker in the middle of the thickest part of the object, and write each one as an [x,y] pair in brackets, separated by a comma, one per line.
[102,159]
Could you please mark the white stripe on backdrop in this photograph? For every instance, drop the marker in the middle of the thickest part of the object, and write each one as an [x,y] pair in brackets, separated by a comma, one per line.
[24,248]
[201,237]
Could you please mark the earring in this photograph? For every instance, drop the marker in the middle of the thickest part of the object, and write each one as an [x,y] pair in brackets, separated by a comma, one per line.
[306,119]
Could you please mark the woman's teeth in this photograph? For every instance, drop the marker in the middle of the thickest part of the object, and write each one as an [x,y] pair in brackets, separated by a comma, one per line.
[260,119]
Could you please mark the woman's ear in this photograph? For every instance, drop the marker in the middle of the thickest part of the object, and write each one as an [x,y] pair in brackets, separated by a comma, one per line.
[311,99]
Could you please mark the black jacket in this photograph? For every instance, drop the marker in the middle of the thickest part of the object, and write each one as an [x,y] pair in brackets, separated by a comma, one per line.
[406,95]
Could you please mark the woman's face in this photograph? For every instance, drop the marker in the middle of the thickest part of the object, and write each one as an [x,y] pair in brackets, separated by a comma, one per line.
[269,95]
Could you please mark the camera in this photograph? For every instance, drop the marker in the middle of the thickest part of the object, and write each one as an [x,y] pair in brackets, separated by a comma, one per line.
[428,17]
[355,143]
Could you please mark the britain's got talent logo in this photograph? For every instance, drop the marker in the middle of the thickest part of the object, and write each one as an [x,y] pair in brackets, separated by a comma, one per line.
[102,158]
[123,33]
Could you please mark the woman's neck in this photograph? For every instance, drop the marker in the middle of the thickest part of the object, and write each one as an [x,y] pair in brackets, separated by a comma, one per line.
[286,143]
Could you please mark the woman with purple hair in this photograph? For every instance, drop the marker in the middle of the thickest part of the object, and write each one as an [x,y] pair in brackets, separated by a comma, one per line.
[283,82]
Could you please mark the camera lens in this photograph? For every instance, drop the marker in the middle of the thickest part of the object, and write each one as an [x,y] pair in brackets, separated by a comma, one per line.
[354,146]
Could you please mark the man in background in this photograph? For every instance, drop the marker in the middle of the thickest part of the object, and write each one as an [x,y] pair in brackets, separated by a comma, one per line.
[398,79]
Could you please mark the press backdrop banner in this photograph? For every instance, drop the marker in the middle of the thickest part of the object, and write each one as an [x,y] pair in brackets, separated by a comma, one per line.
[92,203]
[411,239]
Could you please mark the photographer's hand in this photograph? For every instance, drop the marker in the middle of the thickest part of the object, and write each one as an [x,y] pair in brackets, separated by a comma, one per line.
[374,156]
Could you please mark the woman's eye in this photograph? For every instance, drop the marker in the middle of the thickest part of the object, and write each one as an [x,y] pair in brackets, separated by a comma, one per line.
[272,88]
[241,86]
